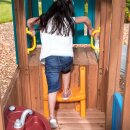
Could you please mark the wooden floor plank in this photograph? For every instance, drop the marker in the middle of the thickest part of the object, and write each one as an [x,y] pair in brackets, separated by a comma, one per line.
[69,119]
[82,126]
[73,110]
[79,120]
[77,115]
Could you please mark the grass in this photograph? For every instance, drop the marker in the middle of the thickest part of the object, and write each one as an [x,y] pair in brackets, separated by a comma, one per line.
[5,11]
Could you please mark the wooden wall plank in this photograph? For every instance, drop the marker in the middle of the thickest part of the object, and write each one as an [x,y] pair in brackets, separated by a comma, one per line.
[126,106]
[41,88]
[22,50]
[117,9]
[92,73]
[12,96]
[35,90]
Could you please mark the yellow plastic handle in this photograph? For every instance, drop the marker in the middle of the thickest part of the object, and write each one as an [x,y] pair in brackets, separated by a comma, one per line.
[34,41]
[92,39]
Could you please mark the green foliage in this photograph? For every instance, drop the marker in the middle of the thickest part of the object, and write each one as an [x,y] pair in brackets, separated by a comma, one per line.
[5,11]
[127,11]
[40,7]
[86,9]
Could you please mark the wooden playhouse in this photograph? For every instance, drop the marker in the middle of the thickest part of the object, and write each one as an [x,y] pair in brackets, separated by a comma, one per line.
[100,77]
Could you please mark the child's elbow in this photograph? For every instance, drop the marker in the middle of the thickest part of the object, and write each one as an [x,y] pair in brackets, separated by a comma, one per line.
[87,20]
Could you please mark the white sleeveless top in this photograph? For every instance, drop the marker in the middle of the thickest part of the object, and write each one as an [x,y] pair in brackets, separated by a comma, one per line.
[53,44]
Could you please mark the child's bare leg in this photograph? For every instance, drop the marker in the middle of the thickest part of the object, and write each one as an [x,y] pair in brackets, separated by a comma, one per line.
[66,81]
[52,102]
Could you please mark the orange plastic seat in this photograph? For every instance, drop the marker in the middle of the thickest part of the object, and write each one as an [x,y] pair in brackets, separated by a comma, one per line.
[78,94]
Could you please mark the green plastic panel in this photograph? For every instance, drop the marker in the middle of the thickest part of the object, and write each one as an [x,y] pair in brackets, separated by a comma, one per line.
[15,35]
[79,10]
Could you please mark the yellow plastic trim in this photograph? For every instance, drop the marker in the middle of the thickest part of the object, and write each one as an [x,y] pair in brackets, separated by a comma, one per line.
[92,39]
[34,41]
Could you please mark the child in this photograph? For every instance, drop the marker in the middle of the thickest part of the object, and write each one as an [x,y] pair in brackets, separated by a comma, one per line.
[57,31]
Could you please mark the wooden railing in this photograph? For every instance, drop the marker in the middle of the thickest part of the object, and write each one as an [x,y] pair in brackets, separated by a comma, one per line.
[11,97]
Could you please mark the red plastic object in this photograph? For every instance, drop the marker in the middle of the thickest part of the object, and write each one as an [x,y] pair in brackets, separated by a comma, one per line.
[33,122]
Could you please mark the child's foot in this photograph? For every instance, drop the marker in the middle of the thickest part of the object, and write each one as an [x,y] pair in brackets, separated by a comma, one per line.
[53,123]
[66,95]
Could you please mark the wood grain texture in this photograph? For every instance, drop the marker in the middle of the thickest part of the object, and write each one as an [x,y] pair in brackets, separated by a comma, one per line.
[101,54]
[115,46]
[106,52]
[2,126]
[69,119]
[22,51]
[126,106]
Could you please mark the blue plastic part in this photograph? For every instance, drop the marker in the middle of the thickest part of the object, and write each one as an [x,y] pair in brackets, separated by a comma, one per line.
[15,35]
[45,5]
[79,28]
[91,11]
[79,37]
[117,111]
[35,8]
[79,10]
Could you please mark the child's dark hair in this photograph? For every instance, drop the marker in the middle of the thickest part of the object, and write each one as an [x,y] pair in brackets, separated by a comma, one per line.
[62,22]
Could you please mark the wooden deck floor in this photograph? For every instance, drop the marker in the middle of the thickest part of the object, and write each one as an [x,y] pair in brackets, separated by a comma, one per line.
[71,120]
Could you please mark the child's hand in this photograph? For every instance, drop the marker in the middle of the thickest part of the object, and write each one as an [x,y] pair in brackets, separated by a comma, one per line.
[90,31]
[33,32]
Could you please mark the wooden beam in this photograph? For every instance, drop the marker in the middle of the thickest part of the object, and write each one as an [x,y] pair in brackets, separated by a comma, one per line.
[1,115]
[106,53]
[1,119]
[126,106]
[21,33]
[101,55]
[22,51]
[120,38]
[117,17]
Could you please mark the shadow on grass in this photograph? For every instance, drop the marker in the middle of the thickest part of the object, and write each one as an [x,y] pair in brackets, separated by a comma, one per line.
[6,1]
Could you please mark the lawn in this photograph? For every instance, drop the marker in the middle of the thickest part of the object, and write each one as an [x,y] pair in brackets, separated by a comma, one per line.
[5,11]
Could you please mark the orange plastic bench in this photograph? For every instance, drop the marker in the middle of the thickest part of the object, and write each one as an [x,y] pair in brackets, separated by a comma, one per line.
[78,94]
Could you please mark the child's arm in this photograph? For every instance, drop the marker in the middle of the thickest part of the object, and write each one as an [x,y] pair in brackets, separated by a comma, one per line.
[31,22]
[86,21]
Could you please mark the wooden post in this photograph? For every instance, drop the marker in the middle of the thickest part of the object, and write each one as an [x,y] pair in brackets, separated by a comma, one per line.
[22,51]
[106,53]
[1,119]
[101,55]
[1,116]
[115,46]
[120,38]
[126,106]
[97,14]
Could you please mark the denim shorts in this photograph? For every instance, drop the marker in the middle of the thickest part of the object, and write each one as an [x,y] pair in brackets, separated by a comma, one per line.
[54,66]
